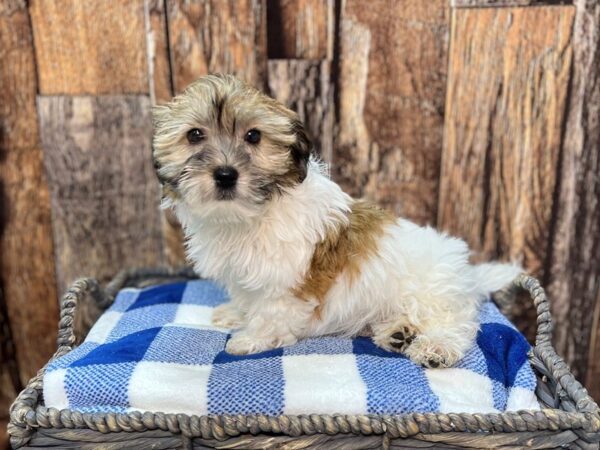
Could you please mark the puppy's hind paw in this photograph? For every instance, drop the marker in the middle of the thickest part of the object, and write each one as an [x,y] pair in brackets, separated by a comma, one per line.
[395,339]
[401,339]
[434,361]
[430,355]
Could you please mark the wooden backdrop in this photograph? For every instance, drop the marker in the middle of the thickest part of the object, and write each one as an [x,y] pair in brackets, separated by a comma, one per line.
[480,117]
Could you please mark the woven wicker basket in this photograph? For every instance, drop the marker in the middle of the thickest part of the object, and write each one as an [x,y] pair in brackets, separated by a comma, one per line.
[570,418]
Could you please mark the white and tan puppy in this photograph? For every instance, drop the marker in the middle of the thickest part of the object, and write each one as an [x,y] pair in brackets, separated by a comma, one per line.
[298,256]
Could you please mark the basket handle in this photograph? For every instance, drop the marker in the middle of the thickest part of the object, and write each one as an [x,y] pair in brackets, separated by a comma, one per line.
[90,288]
[542,305]
[574,396]
[69,304]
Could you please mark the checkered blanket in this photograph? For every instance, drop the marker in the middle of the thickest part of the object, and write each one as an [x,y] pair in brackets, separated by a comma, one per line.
[156,350]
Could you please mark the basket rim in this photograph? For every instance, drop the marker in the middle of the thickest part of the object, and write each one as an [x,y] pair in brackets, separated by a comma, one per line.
[580,414]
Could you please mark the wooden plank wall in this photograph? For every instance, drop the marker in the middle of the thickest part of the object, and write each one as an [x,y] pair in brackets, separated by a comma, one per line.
[476,116]
[391,102]
[506,110]
[574,275]
[28,306]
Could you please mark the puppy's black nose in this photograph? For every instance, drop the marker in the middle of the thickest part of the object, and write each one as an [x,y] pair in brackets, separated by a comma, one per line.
[225,177]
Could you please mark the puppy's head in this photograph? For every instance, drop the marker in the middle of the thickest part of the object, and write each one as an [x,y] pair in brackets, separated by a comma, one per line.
[224,149]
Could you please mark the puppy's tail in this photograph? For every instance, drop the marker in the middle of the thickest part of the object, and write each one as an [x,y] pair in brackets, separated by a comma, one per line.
[491,277]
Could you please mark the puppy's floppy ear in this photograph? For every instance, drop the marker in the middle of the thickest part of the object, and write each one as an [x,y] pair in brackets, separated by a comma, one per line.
[160,114]
[300,149]
[160,117]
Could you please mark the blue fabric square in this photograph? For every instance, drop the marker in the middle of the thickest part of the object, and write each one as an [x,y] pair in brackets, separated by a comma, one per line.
[499,395]
[326,345]
[365,346]
[505,351]
[247,386]
[102,409]
[473,361]
[204,292]
[395,385]
[140,319]
[100,387]
[131,348]
[224,357]
[164,293]
[125,299]
[525,378]
[72,357]
[489,314]
[182,345]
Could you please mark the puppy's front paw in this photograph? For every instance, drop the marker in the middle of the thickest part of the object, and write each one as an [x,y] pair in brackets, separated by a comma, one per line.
[228,316]
[240,345]
[246,344]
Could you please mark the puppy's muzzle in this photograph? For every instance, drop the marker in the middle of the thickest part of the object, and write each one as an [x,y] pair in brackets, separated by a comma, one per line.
[225,177]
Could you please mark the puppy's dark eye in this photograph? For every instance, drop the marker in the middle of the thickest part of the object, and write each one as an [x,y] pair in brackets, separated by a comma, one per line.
[252,136]
[195,135]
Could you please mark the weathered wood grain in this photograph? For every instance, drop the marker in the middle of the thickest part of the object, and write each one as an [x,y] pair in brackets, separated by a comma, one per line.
[506,3]
[207,36]
[4,434]
[27,262]
[18,127]
[305,86]
[157,45]
[390,105]
[90,47]
[26,252]
[103,188]
[301,29]
[10,384]
[7,396]
[505,110]
[574,277]
[161,91]
[592,380]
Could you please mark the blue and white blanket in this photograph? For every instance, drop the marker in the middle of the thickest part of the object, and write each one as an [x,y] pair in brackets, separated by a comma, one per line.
[156,350]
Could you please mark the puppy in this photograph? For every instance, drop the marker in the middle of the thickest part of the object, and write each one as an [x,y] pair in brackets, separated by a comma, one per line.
[298,256]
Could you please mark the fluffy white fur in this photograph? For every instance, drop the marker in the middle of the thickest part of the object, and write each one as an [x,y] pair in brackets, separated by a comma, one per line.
[418,280]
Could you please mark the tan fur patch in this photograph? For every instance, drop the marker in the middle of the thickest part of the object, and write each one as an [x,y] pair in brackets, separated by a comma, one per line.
[343,250]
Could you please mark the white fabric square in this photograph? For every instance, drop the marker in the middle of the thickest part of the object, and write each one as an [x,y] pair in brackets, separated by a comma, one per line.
[57,396]
[102,328]
[174,388]
[521,398]
[197,315]
[461,390]
[325,383]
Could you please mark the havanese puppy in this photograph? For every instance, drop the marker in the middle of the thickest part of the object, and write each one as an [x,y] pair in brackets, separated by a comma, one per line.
[299,257]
